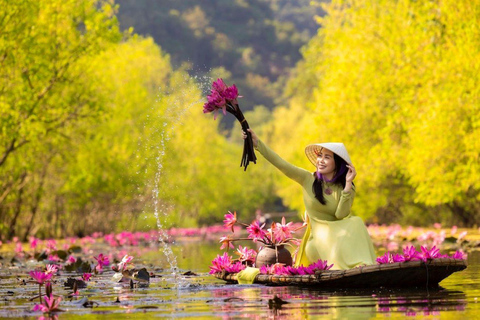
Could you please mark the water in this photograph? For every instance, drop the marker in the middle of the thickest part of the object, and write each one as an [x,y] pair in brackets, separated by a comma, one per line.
[175,110]
[203,296]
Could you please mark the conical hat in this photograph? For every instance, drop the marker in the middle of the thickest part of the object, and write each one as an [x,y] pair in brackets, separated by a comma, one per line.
[312,151]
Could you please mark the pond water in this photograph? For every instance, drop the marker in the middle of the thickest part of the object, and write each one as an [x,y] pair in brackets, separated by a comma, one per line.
[202,296]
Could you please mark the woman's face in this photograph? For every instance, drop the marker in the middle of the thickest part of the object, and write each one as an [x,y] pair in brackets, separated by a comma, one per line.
[325,162]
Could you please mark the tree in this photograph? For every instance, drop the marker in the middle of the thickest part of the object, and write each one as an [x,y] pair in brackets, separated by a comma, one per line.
[398,83]
[45,89]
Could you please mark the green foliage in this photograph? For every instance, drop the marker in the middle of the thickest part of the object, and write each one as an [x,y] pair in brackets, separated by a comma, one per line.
[257,41]
[398,82]
[119,136]
[46,88]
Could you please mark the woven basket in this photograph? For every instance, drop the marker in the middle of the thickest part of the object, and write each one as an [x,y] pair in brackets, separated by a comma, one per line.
[399,274]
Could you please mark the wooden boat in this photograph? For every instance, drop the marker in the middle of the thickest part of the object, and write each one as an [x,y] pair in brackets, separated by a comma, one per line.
[400,274]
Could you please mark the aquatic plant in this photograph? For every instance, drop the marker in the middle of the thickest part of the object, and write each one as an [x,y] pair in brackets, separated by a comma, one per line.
[41,278]
[281,269]
[411,254]
[102,261]
[225,263]
[223,97]
[278,234]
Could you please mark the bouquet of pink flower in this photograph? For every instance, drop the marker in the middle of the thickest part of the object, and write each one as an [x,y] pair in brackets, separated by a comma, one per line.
[278,234]
[224,98]
[411,254]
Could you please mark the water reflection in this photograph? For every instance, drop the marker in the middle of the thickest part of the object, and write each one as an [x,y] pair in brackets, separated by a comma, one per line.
[309,303]
[204,296]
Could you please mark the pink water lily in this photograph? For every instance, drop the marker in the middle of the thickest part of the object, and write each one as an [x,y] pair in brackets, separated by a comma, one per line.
[231,94]
[52,268]
[220,263]
[123,264]
[386,258]
[246,254]
[321,265]
[230,220]
[255,231]
[51,245]
[40,277]
[411,254]
[71,260]
[226,243]
[283,231]
[102,261]
[235,267]
[459,255]
[33,242]
[429,253]
[50,304]
[86,276]
[215,99]
[219,86]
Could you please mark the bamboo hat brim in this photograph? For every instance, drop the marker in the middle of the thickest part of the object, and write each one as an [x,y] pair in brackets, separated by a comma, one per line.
[338,148]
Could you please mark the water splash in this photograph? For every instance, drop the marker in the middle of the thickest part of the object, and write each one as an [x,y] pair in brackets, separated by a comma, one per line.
[171,119]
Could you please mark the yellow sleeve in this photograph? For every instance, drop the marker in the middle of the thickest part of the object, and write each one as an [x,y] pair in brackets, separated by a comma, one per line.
[345,204]
[293,172]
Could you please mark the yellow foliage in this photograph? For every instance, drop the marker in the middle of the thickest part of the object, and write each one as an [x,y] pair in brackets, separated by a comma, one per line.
[398,83]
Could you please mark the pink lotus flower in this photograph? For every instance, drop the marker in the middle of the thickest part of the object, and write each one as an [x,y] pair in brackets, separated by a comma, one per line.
[410,254]
[52,268]
[321,265]
[283,231]
[459,255]
[18,248]
[219,86]
[234,268]
[51,245]
[220,263]
[102,260]
[386,258]
[397,258]
[51,304]
[454,230]
[246,254]
[231,94]
[461,236]
[226,243]
[53,257]
[40,277]
[71,260]
[429,254]
[255,231]
[218,101]
[277,268]
[123,264]
[230,220]
[86,276]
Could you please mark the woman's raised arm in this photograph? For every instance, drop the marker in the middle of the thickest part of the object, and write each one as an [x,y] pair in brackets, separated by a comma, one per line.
[293,172]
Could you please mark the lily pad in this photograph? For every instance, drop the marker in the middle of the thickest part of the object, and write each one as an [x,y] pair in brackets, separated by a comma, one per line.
[71,282]
[141,275]
[62,254]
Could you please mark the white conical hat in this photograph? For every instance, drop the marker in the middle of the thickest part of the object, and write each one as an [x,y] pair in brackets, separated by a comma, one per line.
[312,151]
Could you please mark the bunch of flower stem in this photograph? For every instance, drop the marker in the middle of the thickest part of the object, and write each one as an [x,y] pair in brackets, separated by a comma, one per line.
[278,234]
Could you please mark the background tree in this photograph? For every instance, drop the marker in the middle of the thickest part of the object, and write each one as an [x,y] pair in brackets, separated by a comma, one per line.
[398,83]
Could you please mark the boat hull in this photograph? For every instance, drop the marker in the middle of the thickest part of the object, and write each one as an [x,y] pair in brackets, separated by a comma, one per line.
[400,274]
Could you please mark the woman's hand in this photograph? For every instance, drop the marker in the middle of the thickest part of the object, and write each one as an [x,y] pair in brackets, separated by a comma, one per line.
[254,137]
[351,174]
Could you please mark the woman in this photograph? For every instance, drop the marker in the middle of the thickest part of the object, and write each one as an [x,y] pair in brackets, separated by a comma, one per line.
[328,193]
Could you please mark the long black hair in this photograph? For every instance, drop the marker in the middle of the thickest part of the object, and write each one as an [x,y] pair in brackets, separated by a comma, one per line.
[339,178]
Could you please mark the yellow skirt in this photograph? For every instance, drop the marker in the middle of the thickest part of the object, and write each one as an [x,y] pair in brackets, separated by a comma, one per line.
[345,243]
